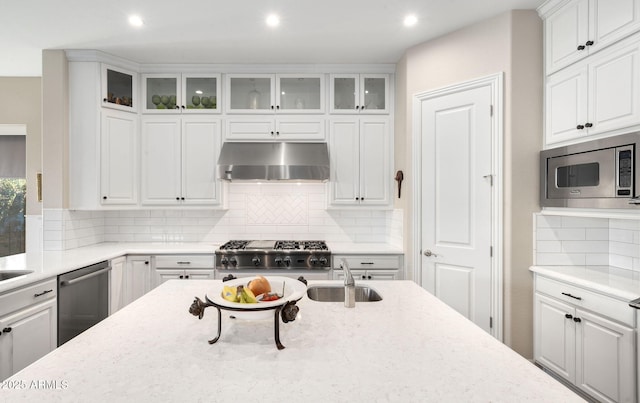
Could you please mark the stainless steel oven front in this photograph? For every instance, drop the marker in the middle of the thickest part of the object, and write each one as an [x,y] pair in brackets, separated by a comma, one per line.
[600,174]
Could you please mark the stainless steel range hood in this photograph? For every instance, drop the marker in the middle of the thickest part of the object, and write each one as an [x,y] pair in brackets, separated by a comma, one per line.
[277,161]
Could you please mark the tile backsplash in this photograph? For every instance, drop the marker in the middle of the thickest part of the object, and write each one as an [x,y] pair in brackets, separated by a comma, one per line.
[265,211]
[568,240]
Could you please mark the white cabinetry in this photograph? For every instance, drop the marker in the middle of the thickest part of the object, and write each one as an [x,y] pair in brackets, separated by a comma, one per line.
[119,88]
[597,96]
[117,282]
[308,128]
[119,158]
[586,338]
[181,93]
[137,277]
[179,158]
[368,267]
[360,152]
[359,93]
[577,28]
[279,93]
[28,326]
[195,267]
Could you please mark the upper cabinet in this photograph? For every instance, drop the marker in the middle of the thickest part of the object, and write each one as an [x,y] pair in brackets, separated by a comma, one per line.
[275,93]
[181,93]
[119,88]
[359,93]
[576,28]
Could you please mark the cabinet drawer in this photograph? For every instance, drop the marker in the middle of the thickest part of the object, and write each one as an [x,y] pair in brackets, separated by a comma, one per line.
[580,297]
[368,262]
[31,294]
[185,261]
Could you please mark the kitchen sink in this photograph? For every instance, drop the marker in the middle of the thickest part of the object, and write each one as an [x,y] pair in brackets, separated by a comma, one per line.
[323,293]
[7,274]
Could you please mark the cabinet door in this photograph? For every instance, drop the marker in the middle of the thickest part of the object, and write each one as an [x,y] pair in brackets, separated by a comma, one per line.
[256,129]
[554,336]
[381,275]
[198,274]
[200,150]
[161,161]
[614,88]
[200,93]
[344,167]
[162,275]
[374,93]
[118,158]
[605,358]
[119,88]
[566,104]
[611,20]
[375,157]
[344,93]
[138,277]
[250,93]
[32,335]
[357,274]
[300,93]
[565,30]
[117,284]
[300,129]
[161,93]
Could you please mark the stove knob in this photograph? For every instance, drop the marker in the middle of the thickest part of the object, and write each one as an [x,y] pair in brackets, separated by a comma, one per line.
[256,260]
[278,260]
[323,261]
[287,261]
[233,261]
[224,261]
[313,260]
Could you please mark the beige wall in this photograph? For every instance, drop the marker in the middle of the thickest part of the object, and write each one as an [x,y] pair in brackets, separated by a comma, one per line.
[510,43]
[20,104]
[55,136]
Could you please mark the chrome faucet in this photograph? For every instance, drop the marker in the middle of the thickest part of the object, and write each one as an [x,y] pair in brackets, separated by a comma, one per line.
[349,286]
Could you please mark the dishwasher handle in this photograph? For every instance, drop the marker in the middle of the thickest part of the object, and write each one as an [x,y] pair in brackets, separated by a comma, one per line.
[85,277]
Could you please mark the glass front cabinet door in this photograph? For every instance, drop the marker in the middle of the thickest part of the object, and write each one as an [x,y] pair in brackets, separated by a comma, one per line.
[359,93]
[181,93]
[271,93]
[119,88]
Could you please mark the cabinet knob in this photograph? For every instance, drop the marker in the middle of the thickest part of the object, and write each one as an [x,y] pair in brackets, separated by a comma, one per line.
[589,43]
[187,276]
[577,320]
[272,133]
[178,107]
[181,277]
[588,125]
[357,107]
[364,277]
[178,198]
[278,107]
[369,277]
[271,106]
[277,133]
[182,198]
[580,47]
[104,197]
[357,198]
[580,127]
[568,316]
[146,262]
[182,107]
[104,99]
[362,107]
[7,330]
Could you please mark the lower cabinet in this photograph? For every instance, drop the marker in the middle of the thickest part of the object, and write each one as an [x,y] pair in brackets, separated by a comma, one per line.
[195,267]
[576,337]
[28,324]
[137,278]
[367,267]
[117,284]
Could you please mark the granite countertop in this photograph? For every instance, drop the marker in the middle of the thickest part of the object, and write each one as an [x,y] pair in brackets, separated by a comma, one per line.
[49,264]
[408,347]
[612,281]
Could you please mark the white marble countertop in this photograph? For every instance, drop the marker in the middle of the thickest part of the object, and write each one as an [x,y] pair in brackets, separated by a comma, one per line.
[612,281]
[408,347]
[46,265]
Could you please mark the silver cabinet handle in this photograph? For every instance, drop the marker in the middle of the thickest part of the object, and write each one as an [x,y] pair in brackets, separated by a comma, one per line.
[428,253]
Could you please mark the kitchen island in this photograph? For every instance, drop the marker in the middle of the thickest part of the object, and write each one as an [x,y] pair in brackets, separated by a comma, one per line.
[408,347]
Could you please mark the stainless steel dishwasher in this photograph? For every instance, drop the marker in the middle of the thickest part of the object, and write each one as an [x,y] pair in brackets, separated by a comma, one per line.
[83,300]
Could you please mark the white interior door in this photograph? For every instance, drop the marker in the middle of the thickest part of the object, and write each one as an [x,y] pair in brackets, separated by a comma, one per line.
[457,201]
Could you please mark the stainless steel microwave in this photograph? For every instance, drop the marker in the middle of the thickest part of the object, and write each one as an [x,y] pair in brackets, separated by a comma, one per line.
[599,174]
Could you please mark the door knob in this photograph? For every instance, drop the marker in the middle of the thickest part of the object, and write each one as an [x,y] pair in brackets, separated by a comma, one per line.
[428,253]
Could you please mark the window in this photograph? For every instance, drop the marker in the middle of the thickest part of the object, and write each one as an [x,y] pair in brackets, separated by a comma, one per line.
[13,187]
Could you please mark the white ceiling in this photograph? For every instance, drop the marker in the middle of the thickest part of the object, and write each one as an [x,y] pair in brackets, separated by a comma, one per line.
[231,31]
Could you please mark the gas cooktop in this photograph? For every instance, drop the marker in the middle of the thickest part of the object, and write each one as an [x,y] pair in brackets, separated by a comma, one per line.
[267,254]
[245,245]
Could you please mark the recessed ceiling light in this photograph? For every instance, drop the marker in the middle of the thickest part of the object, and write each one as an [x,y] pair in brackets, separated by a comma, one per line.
[410,20]
[273,20]
[135,21]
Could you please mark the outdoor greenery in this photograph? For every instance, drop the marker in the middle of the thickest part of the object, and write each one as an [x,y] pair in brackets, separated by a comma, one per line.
[12,210]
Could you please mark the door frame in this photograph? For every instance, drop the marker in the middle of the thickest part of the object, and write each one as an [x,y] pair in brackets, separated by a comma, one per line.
[496,85]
